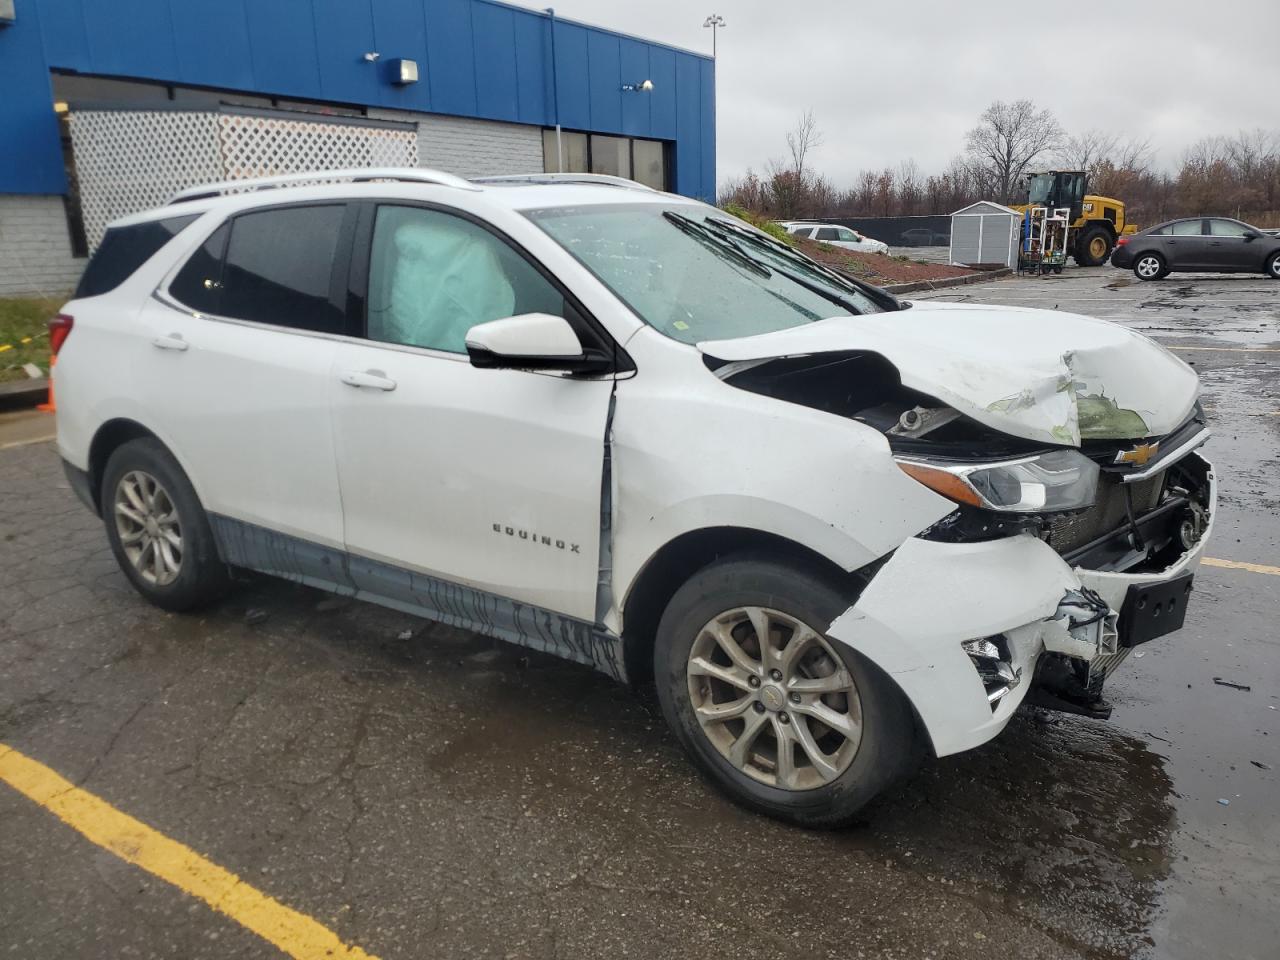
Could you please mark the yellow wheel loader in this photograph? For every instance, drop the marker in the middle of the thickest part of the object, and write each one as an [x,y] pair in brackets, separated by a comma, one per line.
[1095,221]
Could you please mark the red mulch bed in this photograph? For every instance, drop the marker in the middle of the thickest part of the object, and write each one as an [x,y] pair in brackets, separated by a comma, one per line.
[878,267]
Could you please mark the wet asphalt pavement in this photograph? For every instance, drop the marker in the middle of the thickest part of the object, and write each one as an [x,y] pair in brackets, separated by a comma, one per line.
[425,792]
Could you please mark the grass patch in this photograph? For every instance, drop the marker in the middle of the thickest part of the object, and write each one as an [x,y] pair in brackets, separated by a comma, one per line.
[25,318]
[760,222]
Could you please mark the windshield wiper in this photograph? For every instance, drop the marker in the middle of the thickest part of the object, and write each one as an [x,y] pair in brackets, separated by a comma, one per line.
[728,230]
[716,243]
[886,301]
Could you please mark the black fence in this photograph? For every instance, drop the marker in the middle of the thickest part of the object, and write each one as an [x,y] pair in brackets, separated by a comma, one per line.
[901,231]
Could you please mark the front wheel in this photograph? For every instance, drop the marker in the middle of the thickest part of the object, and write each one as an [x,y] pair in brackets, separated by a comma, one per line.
[784,719]
[1273,266]
[1093,247]
[1149,266]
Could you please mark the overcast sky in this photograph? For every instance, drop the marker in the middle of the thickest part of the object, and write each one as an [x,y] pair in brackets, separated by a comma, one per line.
[889,80]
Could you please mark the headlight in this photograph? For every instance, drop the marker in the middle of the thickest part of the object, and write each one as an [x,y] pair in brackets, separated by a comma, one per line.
[1057,480]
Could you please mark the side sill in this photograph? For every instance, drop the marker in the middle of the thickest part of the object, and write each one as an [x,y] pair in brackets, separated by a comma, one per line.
[247,545]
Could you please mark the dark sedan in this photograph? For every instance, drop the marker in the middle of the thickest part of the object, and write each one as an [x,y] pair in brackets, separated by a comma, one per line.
[1202,244]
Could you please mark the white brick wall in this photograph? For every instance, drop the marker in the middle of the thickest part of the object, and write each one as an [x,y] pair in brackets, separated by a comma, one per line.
[472,148]
[35,247]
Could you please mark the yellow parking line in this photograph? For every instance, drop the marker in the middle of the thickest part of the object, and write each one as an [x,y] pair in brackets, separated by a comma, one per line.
[294,933]
[1241,565]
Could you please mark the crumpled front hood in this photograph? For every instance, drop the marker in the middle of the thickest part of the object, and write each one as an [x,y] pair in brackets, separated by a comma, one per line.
[1037,374]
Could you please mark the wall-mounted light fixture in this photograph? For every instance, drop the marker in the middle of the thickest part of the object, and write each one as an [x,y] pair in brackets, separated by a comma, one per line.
[644,86]
[404,72]
[7,13]
[372,56]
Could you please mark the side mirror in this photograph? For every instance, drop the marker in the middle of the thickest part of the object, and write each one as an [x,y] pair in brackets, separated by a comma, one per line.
[531,341]
[1251,236]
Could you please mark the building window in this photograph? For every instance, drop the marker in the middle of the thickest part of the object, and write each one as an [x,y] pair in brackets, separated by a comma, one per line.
[649,163]
[611,155]
[644,161]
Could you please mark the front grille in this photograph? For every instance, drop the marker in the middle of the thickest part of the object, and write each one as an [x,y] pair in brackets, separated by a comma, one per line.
[1065,532]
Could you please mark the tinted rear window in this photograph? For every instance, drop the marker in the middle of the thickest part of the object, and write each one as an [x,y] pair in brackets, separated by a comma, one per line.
[124,249]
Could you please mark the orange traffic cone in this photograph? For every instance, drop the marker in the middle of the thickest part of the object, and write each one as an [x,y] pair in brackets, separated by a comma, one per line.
[50,406]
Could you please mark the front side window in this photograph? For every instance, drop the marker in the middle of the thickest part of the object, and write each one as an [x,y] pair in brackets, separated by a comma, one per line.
[433,276]
[1228,228]
[848,235]
[827,233]
[695,274]
[1187,228]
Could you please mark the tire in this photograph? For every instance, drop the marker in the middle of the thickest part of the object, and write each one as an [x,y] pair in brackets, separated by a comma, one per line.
[859,760]
[143,485]
[1093,246]
[1273,266]
[1149,266]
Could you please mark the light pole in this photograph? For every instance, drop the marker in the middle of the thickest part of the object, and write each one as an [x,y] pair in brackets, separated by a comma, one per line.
[715,22]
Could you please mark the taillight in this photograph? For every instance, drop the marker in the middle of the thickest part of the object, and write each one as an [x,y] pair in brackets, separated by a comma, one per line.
[1121,241]
[59,329]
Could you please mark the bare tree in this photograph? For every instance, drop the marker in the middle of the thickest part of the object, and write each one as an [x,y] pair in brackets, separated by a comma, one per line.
[1007,139]
[909,187]
[804,138]
[1084,151]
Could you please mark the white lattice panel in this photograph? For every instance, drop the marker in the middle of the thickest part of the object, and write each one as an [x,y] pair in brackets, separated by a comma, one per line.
[130,160]
[261,146]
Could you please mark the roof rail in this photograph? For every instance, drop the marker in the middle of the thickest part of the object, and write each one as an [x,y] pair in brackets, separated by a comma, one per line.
[599,179]
[355,175]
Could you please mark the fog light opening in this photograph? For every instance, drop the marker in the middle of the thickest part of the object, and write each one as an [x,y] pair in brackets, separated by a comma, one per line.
[991,658]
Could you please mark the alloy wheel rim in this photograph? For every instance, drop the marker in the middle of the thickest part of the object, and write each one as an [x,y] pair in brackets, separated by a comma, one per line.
[148,526]
[1148,266]
[774,699]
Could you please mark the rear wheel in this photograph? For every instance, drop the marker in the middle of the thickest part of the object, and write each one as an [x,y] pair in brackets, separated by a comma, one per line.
[785,720]
[1149,266]
[158,530]
[1273,266]
[1093,247]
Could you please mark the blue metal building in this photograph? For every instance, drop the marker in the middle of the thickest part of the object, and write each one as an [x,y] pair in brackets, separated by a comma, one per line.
[492,82]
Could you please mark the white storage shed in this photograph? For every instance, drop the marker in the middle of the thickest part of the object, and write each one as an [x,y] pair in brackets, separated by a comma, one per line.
[985,232]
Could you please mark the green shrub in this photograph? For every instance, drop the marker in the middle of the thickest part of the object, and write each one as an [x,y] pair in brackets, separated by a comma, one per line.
[760,222]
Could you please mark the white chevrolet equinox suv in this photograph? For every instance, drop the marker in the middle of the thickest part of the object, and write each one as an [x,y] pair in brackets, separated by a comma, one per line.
[835,529]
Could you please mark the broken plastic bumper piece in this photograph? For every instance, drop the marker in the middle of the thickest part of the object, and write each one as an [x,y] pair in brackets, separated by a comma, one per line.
[967,629]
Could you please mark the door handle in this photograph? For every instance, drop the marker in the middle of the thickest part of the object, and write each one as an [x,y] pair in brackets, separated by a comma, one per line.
[373,379]
[173,341]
